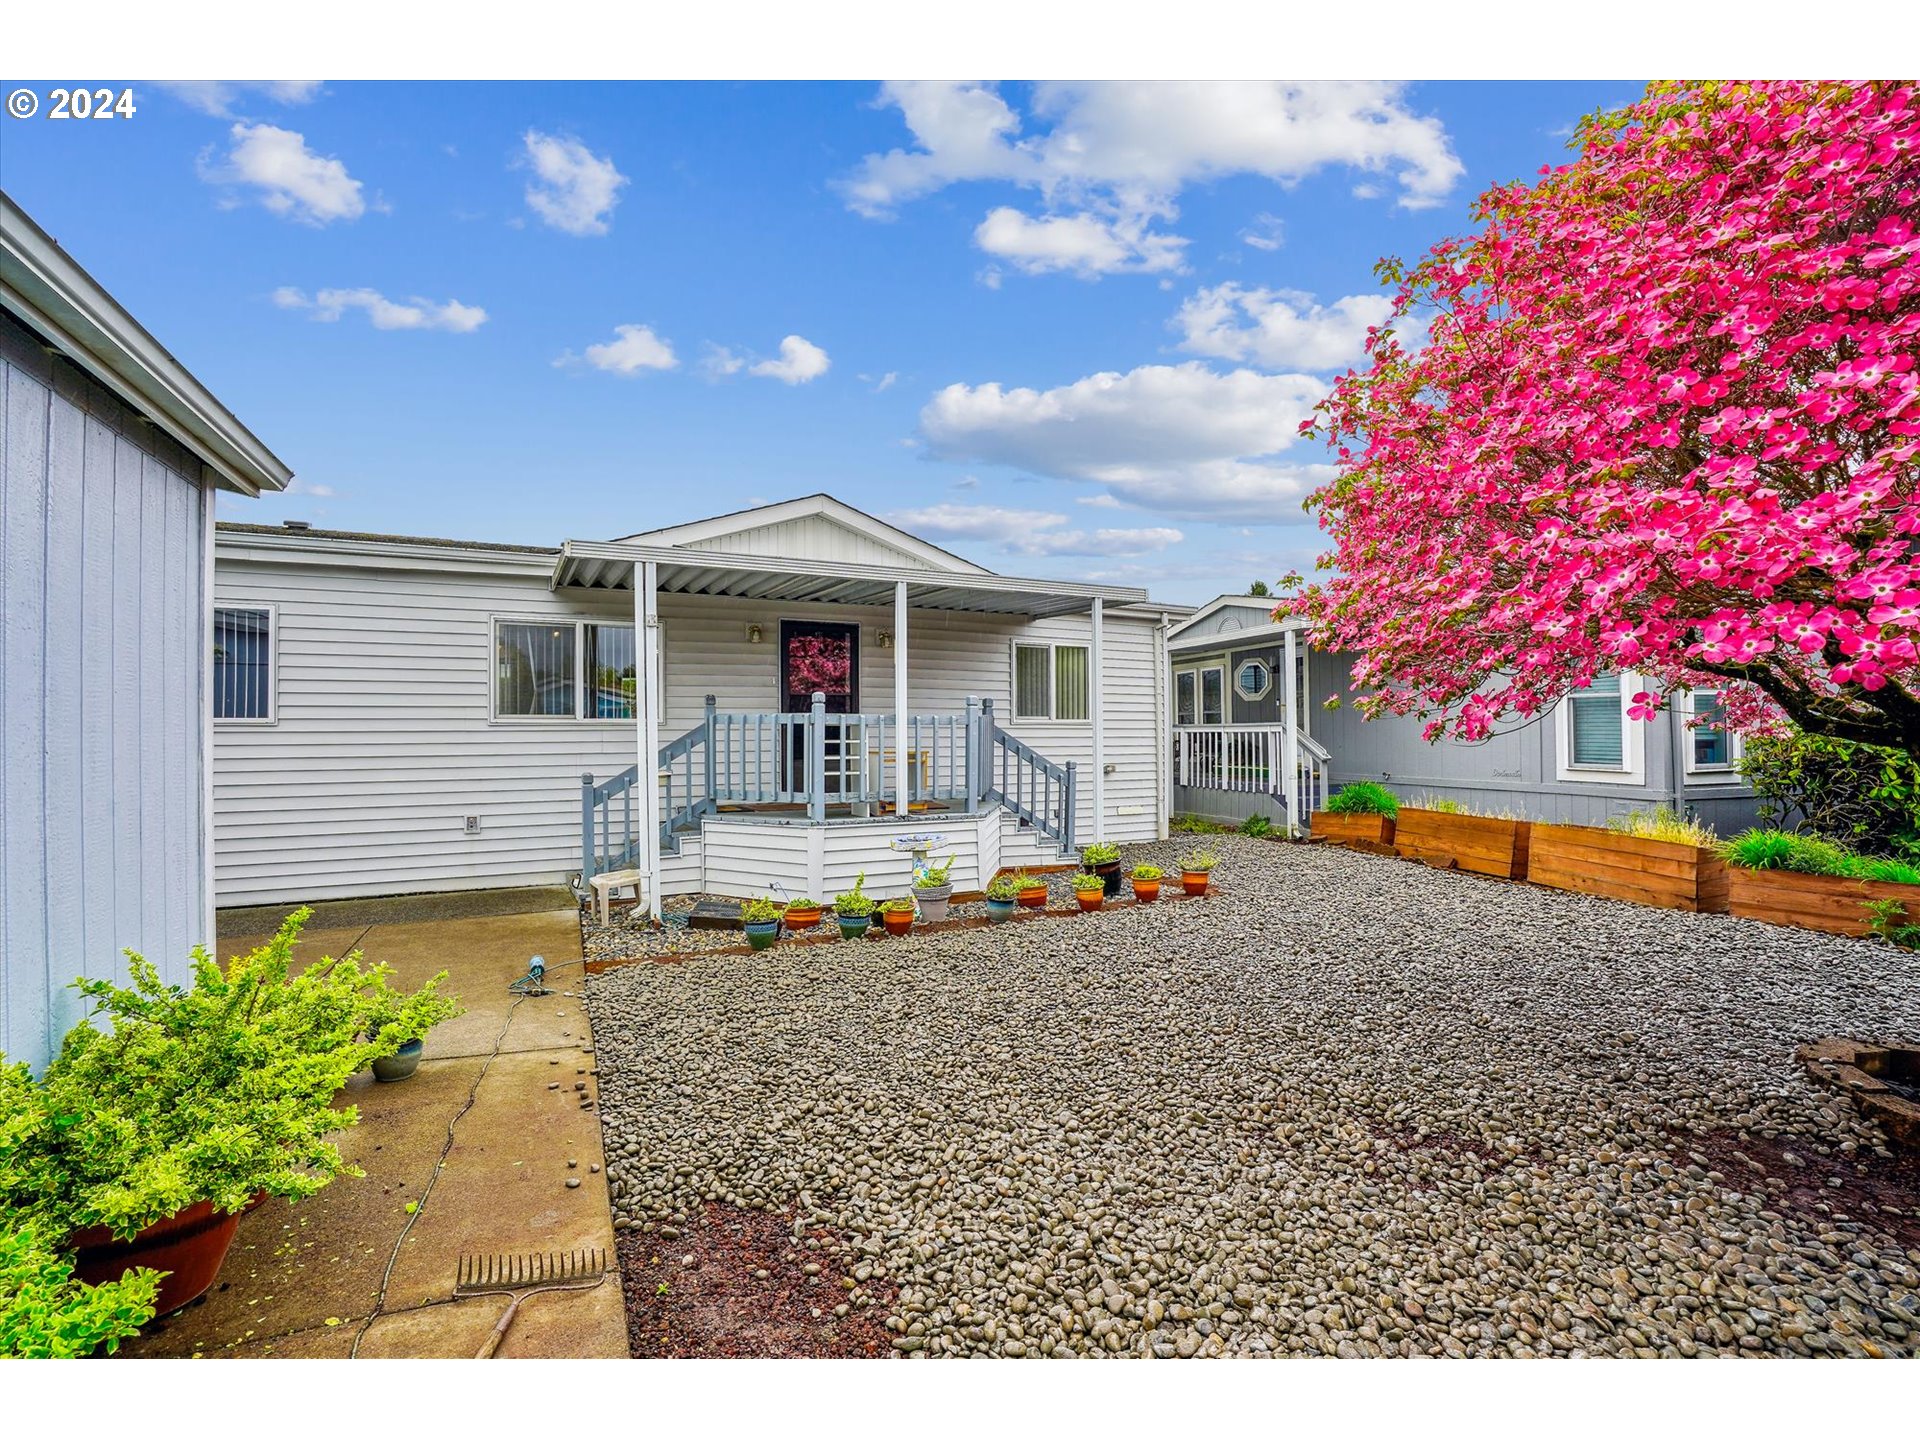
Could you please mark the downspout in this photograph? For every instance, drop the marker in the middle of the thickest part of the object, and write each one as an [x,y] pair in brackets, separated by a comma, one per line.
[1676,758]
[1163,723]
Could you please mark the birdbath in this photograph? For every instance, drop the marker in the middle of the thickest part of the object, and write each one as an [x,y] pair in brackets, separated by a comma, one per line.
[921,847]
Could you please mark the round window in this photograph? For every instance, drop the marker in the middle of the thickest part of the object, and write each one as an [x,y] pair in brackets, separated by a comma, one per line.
[1252,680]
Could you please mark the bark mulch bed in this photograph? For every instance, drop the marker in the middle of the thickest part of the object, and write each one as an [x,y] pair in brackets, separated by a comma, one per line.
[1871,1189]
[746,1293]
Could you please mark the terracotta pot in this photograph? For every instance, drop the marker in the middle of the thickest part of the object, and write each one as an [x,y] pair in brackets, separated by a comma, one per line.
[1194,882]
[1034,898]
[803,919]
[191,1245]
[1146,891]
[898,922]
[1090,899]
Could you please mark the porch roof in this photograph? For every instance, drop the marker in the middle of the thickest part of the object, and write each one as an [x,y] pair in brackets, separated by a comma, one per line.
[608,565]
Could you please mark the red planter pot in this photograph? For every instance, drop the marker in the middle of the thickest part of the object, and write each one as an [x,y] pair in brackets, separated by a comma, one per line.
[1034,899]
[803,919]
[1194,882]
[191,1246]
[1146,891]
[1092,900]
[897,922]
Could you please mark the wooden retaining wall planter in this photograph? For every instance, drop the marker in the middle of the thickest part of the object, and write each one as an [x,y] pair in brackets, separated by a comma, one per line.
[1448,841]
[1591,861]
[1358,832]
[1813,902]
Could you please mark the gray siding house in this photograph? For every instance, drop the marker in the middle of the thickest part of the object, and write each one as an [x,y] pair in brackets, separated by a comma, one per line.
[112,457]
[1247,692]
[800,685]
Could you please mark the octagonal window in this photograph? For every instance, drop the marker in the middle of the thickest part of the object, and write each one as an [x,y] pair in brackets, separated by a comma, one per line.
[1252,680]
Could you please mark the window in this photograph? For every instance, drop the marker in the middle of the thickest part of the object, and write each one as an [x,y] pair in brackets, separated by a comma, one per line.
[1051,682]
[1186,689]
[563,670]
[1252,680]
[243,663]
[1712,748]
[1597,742]
[1213,695]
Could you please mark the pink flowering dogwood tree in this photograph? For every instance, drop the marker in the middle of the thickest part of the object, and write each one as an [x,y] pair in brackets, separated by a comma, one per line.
[1666,420]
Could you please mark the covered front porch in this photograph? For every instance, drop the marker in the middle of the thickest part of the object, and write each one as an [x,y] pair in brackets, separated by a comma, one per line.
[802,790]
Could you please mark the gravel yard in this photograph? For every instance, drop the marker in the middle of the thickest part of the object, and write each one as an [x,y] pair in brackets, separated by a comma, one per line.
[1346,1106]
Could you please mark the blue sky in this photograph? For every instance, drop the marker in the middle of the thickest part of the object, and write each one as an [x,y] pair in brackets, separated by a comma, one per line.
[1063,330]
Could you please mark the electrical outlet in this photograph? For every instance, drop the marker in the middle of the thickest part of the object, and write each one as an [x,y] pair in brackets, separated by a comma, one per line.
[473,824]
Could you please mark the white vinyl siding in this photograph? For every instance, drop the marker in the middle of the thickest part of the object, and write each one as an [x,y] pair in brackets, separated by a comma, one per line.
[243,664]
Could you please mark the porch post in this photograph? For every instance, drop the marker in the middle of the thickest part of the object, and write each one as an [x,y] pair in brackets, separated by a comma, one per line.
[1095,707]
[1290,742]
[817,758]
[706,747]
[646,618]
[973,754]
[900,707]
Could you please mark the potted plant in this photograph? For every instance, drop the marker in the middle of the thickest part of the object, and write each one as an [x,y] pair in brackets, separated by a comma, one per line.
[398,1023]
[1361,815]
[1103,859]
[178,1107]
[1002,896]
[1196,871]
[760,918]
[1146,883]
[934,891]
[802,914]
[1090,890]
[1031,890]
[897,915]
[46,1314]
[854,909]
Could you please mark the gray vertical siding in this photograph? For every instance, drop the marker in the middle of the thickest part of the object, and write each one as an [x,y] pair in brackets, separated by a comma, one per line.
[101,846]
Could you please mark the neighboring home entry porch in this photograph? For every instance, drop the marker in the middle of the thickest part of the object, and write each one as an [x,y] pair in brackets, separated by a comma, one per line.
[819,656]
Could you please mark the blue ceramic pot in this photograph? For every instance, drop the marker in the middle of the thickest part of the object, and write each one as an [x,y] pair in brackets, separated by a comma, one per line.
[852,927]
[762,933]
[399,1065]
[1001,911]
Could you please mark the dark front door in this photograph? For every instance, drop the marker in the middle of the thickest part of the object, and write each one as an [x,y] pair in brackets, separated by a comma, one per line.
[817,656]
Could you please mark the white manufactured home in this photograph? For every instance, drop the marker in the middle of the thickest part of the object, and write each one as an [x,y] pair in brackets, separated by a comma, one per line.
[803,685]
[1253,703]
[112,455]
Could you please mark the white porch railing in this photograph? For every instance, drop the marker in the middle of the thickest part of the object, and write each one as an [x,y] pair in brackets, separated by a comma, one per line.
[1251,760]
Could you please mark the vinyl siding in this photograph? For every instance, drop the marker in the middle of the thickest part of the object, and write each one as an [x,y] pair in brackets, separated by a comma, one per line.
[102,843]
[383,742]
[811,537]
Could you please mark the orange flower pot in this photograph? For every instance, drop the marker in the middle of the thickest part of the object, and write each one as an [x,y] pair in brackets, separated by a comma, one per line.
[1146,891]
[898,922]
[1034,898]
[190,1246]
[804,919]
[1090,899]
[1194,882]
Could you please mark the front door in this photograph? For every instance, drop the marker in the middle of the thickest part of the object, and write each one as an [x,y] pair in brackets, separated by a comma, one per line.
[816,655]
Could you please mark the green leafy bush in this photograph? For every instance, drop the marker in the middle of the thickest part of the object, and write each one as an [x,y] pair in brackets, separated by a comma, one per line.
[1195,825]
[933,876]
[216,1091]
[855,902]
[45,1314]
[1025,880]
[761,910]
[899,905]
[803,903]
[1257,826]
[1002,888]
[1199,862]
[1811,855]
[1440,805]
[1086,882]
[1663,823]
[1101,852]
[1865,797]
[1365,797]
[1147,872]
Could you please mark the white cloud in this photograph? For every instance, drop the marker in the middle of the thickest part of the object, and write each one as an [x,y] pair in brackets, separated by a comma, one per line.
[384,314]
[885,382]
[800,361]
[1030,532]
[1100,500]
[1281,328]
[219,97]
[1267,232]
[1179,438]
[1085,244]
[719,360]
[293,182]
[573,189]
[298,486]
[635,348]
[1113,157]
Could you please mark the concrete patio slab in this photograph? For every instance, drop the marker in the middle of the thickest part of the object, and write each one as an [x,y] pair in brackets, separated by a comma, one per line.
[306,1279]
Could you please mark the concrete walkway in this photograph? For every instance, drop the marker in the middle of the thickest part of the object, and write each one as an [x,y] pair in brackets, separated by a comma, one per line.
[371,1262]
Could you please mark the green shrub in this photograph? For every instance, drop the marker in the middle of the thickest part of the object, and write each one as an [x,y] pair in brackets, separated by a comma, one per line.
[1440,805]
[1365,797]
[1865,797]
[1662,823]
[899,905]
[214,1092]
[761,910]
[1086,881]
[1199,862]
[1192,825]
[934,876]
[1101,852]
[1258,826]
[45,1314]
[1002,888]
[1811,855]
[855,902]
[1147,872]
[801,903]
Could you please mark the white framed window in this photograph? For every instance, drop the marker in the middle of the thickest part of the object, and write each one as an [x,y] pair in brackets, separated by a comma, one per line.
[245,670]
[1596,741]
[1252,679]
[1713,751]
[563,670]
[1051,682]
[1186,698]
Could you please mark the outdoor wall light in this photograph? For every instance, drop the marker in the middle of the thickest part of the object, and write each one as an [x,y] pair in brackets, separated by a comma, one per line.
[755,634]
[885,639]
